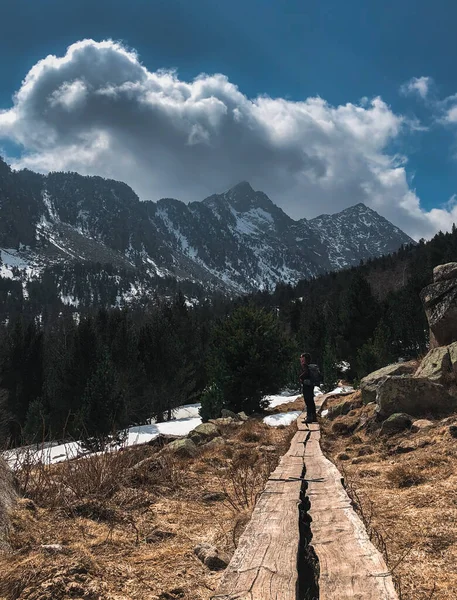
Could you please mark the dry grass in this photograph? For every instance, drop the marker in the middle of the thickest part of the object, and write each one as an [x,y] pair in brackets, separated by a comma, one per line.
[405,486]
[128,522]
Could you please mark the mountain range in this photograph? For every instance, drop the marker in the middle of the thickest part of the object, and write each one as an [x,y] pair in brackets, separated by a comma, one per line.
[62,224]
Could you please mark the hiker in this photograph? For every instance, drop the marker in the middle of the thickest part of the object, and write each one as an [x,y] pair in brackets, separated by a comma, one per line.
[309,377]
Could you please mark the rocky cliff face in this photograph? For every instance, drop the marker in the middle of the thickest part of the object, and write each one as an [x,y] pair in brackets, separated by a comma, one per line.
[234,242]
[440,303]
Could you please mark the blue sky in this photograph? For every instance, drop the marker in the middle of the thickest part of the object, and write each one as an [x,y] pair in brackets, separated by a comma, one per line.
[287,50]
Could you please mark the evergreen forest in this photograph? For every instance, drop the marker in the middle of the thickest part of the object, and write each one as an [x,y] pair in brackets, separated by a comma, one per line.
[86,372]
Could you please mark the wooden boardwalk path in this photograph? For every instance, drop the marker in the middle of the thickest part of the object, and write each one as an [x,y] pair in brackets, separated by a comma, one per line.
[266,564]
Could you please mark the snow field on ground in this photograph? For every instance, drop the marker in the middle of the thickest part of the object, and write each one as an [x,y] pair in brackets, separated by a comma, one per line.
[185,418]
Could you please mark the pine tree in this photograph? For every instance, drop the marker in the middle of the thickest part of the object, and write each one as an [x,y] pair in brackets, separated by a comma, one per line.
[103,408]
[35,428]
[249,358]
[329,368]
[359,312]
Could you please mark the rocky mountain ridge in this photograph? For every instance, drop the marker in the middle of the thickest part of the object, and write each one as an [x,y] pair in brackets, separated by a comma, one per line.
[234,242]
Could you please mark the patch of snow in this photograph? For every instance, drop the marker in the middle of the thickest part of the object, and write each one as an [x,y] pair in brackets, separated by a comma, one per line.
[343,366]
[341,390]
[146,433]
[51,208]
[11,258]
[185,419]
[69,300]
[186,411]
[278,399]
[282,418]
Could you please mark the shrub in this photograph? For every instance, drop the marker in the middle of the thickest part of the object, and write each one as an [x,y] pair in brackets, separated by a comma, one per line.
[404,476]
[249,359]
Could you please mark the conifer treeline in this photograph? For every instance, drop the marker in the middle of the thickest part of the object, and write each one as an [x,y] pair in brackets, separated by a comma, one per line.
[67,374]
[367,315]
[113,368]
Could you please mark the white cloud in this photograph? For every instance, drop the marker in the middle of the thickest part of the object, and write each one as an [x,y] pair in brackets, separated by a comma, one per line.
[98,110]
[451,115]
[417,85]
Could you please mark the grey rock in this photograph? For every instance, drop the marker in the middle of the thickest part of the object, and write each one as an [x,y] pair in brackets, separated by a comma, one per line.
[343,456]
[214,496]
[211,557]
[396,423]
[436,365]
[52,548]
[159,535]
[204,433]
[243,416]
[162,440]
[417,396]
[225,413]
[421,425]
[221,421]
[184,448]
[444,272]
[440,303]
[369,384]
[216,442]
[452,350]
[8,498]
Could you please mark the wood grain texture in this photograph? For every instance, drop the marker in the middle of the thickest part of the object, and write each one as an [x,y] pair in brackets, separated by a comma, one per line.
[264,566]
[350,566]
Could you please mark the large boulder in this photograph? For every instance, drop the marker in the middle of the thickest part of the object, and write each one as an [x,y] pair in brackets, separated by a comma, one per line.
[415,396]
[7,499]
[204,433]
[440,303]
[369,384]
[445,272]
[436,365]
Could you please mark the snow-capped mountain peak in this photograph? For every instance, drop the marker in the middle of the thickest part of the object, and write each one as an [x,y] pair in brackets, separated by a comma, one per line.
[237,241]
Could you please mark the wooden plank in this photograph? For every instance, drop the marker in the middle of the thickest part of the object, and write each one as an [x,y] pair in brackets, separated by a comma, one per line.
[264,565]
[350,566]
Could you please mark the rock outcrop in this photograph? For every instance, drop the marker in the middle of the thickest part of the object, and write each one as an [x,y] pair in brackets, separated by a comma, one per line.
[7,499]
[440,303]
[417,396]
[431,388]
[369,384]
